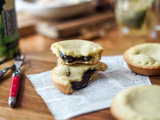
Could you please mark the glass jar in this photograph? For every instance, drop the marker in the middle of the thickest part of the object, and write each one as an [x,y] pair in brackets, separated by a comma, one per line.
[136,17]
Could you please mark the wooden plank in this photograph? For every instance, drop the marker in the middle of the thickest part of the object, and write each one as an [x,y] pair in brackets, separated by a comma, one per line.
[62,28]
[70,27]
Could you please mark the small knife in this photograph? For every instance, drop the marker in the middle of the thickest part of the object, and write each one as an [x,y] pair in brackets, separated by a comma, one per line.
[3,71]
[15,81]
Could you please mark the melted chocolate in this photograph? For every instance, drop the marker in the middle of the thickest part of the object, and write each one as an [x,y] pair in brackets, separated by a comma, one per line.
[85,79]
[70,59]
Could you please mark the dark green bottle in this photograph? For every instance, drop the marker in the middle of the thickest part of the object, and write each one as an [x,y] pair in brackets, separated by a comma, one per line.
[8,31]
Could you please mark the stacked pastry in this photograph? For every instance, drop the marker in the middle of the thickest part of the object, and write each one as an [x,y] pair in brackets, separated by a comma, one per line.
[79,64]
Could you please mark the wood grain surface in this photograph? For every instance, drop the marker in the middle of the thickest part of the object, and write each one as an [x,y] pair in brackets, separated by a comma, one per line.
[30,105]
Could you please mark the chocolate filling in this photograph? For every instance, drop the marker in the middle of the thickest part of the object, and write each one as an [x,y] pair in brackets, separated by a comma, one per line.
[70,59]
[85,79]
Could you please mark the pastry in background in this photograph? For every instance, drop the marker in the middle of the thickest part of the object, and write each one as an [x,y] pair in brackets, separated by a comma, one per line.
[137,103]
[70,52]
[70,78]
[144,58]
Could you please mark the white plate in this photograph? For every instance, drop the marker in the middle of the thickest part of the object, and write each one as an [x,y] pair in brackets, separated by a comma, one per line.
[55,10]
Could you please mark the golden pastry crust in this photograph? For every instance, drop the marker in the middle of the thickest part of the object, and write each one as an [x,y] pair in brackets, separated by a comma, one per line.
[144,58]
[137,103]
[63,75]
[77,48]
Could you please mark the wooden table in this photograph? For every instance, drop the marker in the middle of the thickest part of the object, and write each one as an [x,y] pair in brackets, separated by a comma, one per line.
[38,58]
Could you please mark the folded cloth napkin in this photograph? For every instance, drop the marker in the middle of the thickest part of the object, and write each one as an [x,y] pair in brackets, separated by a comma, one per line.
[96,96]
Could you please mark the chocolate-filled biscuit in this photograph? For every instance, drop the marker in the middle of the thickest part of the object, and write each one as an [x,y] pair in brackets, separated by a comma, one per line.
[70,52]
[70,78]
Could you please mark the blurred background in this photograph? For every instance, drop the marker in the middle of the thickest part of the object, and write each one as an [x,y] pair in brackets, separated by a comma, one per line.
[48,21]
[42,22]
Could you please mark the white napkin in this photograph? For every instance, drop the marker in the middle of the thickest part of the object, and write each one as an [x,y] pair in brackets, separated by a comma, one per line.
[96,96]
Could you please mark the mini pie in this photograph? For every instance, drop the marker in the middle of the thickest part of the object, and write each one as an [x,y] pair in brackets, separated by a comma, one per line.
[69,78]
[77,51]
[144,58]
[137,103]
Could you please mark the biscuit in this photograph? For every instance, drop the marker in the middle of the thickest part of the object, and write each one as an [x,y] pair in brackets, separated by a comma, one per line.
[70,78]
[144,59]
[70,52]
[137,103]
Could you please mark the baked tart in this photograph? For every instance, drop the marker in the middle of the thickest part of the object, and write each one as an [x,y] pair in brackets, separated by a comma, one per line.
[137,103]
[144,58]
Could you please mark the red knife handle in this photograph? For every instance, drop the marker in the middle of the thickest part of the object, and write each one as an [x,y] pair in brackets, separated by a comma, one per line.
[14,86]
